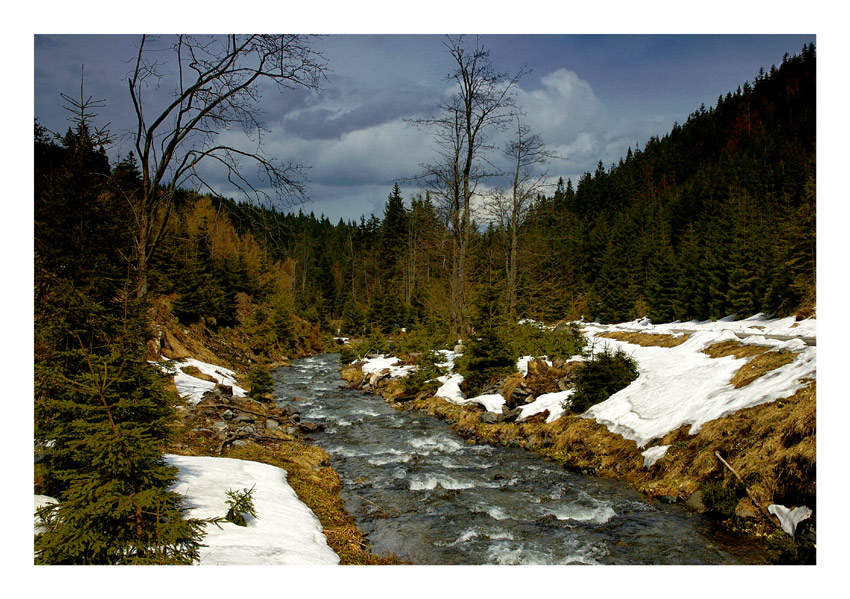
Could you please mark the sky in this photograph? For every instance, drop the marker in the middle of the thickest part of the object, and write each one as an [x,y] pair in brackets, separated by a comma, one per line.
[589,96]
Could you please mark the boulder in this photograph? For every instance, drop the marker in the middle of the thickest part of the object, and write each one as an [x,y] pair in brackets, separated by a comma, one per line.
[311,427]
[746,511]
[491,417]
[224,389]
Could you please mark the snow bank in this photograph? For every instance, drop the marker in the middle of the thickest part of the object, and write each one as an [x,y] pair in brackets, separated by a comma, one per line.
[653,454]
[284,532]
[381,363]
[683,386]
[553,402]
[451,392]
[193,388]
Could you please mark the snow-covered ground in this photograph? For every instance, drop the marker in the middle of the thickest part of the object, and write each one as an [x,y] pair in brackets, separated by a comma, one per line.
[676,386]
[683,386]
[192,388]
[285,531]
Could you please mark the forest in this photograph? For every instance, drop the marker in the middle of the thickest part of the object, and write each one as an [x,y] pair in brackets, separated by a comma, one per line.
[715,218]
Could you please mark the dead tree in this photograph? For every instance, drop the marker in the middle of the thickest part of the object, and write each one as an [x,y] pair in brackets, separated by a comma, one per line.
[187,118]
[483,102]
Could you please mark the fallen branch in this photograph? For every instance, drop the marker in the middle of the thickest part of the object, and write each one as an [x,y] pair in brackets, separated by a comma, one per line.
[764,512]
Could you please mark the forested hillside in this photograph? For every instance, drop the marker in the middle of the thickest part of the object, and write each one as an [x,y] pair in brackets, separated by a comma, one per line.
[715,218]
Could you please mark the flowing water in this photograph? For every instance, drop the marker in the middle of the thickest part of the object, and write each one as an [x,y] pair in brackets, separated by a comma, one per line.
[419,491]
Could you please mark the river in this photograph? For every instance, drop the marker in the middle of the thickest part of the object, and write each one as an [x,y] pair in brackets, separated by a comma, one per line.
[416,489]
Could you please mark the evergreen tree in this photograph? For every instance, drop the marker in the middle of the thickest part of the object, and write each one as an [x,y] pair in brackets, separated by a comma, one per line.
[101,411]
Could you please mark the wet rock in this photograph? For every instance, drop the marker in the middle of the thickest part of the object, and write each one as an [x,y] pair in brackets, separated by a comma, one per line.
[550,521]
[311,427]
[668,499]
[500,476]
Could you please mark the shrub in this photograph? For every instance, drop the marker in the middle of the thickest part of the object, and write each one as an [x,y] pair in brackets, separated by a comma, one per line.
[601,377]
[530,340]
[719,499]
[241,504]
[423,377]
[486,358]
[261,382]
[347,355]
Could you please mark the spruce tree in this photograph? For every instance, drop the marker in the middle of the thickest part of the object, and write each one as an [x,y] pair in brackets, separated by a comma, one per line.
[101,412]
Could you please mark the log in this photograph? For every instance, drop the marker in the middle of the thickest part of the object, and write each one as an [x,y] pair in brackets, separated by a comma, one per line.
[764,512]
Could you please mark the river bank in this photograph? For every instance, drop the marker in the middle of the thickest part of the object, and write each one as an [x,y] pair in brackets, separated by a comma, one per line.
[766,452]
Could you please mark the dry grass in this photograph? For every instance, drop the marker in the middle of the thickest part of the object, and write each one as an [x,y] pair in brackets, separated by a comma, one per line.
[759,365]
[734,348]
[763,359]
[646,339]
[195,372]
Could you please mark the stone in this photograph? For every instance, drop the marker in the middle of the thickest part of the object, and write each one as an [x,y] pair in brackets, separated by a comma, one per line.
[746,511]
[695,503]
[291,431]
[227,415]
[220,425]
[668,499]
[458,349]
[244,418]
[491,417]
[225,389]
[311,427]
[272,424]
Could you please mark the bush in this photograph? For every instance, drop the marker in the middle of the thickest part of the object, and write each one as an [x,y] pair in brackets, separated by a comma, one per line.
[530,340]
[241,504]
[719,499]
[261,382]
[486,359]
[347,355]
[601,377]
[423,377]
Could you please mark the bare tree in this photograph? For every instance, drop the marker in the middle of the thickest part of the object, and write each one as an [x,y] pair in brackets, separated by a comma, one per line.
[217,89]
[510,208]
[483,102]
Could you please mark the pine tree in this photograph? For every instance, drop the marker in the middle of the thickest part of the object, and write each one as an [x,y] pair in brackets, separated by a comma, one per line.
[101,411]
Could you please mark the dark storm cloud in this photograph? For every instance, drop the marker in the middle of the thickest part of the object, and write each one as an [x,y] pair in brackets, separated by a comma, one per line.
[589,96]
